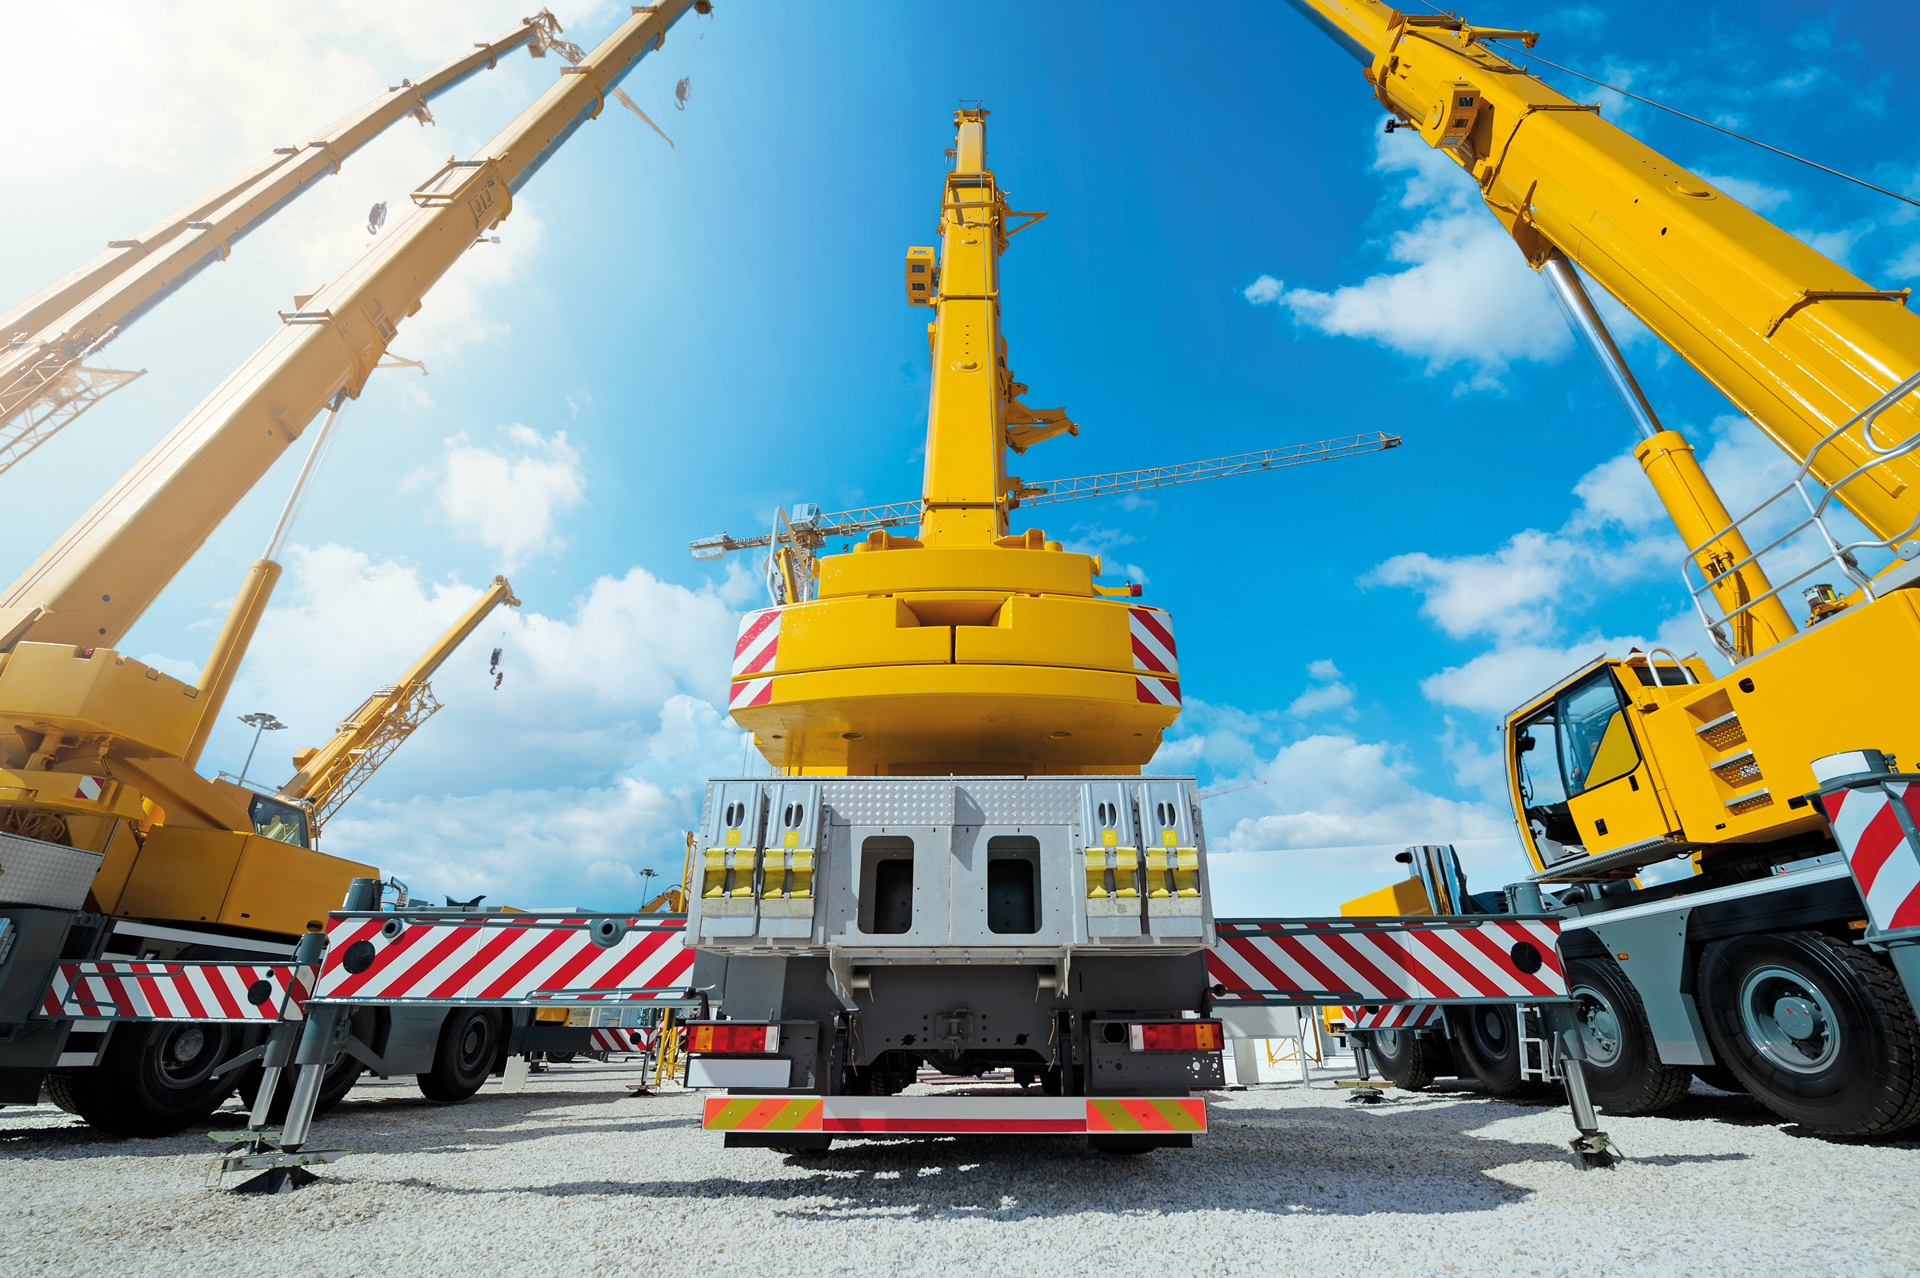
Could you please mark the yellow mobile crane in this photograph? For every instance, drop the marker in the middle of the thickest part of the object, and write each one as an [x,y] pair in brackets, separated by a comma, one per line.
[327,777]
[45,340]
[98,793]
[1747,974]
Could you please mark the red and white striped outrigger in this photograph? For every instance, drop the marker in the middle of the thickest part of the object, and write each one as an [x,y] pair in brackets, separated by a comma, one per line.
[1396,971]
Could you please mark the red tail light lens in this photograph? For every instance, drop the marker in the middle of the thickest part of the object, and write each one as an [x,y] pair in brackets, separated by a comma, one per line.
[731,1038]
[1175,1036]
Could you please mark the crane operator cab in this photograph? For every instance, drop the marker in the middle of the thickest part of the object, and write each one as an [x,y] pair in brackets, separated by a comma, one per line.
[1577,767]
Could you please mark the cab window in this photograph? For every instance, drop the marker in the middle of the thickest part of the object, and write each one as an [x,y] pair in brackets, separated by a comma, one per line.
[1596,745]
[276,820]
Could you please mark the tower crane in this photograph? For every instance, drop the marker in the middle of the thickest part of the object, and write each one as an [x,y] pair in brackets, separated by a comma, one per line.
[798,538]
[45,382]
[327,777]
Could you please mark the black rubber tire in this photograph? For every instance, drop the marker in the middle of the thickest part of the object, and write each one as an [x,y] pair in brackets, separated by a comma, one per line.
[1720,1078]
[470,1040]
[1854,1073]
[1401,1058]
[1489,1043]
[560,1058]
[1623,1069]
[153,1078]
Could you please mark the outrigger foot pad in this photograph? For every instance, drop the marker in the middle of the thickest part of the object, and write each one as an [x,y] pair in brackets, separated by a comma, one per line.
[1366,1096]
[1592,1152]
[276,1180]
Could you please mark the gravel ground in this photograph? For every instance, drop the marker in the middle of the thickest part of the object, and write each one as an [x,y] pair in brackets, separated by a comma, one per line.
[573,1176]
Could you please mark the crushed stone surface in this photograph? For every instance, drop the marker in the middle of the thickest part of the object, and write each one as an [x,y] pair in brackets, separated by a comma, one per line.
[571,1175]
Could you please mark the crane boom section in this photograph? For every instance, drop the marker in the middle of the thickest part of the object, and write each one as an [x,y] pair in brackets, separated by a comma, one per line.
[966,460]
[99,577]
[121,284]
[1797,342]
[329,775]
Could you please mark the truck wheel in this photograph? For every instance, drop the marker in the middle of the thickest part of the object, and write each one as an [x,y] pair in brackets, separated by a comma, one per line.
[469,1041]
[153,1080]
[1623,1069]
[1489,1041]
[1821,1032]
[334,1086]
[1401,1058]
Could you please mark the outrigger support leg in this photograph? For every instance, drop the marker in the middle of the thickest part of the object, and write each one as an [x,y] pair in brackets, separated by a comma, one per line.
[1592,1148]
[1363,1089]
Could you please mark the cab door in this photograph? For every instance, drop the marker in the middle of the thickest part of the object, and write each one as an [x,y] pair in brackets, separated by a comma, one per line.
[1611,799]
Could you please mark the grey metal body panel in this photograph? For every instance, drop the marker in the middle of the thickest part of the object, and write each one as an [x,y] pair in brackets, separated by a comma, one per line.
[1654,937]
[1655,960]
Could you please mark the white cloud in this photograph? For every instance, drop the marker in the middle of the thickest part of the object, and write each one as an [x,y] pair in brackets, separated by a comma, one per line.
[585,765]
[509,500]
[1329,692]
[1757,196]
[1337,792]
[1464,296]
[1837,245]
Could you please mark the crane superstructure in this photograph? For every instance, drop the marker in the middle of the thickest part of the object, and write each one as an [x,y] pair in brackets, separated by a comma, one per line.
[99,797]
[961,649]
[44,340]
[327,777]
[1747,972]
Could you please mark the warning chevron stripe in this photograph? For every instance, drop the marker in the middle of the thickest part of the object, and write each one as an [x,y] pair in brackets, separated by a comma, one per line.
[178,992]
[1307,962]
[758,643]
[1153,647]
[750,692]
[1886,866]
[1156,692]
[435,958]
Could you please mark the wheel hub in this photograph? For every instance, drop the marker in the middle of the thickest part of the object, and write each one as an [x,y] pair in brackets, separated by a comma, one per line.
[1789,1020]
[1599,1026]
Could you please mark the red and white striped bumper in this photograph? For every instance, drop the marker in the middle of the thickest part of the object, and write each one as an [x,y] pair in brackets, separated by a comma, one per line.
[1458,959]
[957,1115]
[1399,1016]
[177,992]
[501,959]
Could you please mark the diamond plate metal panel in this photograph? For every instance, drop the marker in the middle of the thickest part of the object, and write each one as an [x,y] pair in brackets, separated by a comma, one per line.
[883,801]
[1029,802]
[45,874]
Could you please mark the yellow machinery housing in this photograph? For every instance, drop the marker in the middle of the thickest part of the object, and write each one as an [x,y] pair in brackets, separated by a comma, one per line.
[964,650]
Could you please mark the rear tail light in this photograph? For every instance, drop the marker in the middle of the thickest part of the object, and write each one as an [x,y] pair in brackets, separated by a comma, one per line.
[732,1038]
[1175,1036]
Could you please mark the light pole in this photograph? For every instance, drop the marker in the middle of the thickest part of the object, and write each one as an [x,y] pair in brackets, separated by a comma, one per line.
[261,722]
[646,896]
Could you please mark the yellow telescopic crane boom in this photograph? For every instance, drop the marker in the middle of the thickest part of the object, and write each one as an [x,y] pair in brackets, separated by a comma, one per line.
[1797,342]
[44,384]
[69,705]
[96,580]
[328,776]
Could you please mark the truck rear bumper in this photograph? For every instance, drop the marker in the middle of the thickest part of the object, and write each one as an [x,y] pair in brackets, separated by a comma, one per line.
[958,1115]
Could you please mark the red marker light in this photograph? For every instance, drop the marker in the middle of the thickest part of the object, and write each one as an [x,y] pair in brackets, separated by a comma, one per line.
[732,1038]
[1175,1036]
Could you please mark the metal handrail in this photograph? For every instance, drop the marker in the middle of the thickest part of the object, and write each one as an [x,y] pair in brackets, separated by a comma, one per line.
[1837,554]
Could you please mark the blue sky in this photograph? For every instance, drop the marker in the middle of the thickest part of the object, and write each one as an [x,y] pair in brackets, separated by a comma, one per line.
[672,342]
